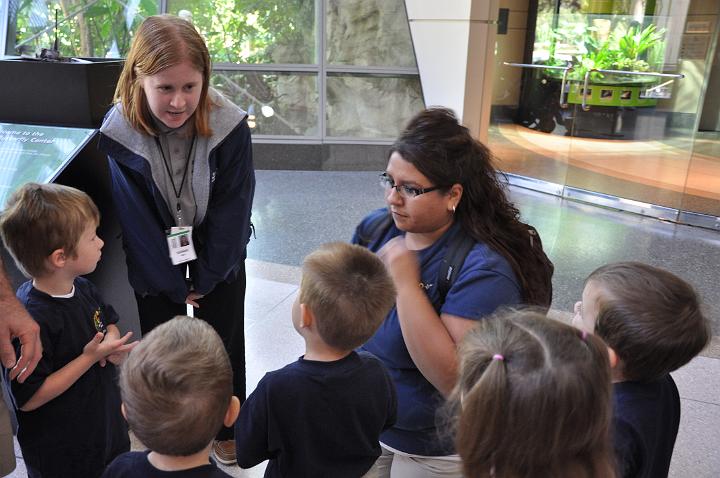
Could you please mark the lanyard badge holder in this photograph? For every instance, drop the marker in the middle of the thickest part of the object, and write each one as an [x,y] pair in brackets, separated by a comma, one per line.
[179,238]
[180,245]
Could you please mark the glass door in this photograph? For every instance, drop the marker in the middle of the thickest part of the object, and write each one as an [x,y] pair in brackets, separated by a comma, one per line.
[599,98]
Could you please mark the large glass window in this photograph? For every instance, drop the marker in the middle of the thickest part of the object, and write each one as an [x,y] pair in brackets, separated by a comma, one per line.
[279,104]
[252,31]
[370,106]
[316,70]
[85,28]
[368,33]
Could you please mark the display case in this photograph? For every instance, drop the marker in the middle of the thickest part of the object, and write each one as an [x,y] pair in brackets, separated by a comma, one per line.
[595,73]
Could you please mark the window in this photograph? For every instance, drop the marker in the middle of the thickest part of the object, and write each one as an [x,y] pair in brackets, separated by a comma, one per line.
[316,71]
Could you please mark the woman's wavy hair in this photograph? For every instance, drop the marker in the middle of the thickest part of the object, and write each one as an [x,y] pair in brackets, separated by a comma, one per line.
[446,153]
[161,42]
[533,399]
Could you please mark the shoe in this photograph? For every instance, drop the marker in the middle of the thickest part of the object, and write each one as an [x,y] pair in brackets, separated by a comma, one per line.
[224,451]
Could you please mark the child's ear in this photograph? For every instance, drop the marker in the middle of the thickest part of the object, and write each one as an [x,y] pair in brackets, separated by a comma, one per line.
[612,355]
[57,258]
[122,410]
[307,318]
[232,412]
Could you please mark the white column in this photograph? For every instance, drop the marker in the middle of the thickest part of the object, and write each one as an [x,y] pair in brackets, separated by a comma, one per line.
[454,45]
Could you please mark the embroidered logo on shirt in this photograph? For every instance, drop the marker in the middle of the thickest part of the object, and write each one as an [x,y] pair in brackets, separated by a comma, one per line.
[98,321]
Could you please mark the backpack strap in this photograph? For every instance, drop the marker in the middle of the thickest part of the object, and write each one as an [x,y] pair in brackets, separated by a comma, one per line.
[458,249]
[375,229]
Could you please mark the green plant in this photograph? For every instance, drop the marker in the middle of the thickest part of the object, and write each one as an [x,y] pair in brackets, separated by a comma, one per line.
[635,42]
[623,50]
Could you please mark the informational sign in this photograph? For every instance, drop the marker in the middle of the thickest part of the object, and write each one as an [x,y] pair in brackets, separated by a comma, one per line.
[38,154]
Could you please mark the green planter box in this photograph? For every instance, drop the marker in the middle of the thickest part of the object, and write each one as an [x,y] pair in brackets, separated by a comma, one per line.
[610,95]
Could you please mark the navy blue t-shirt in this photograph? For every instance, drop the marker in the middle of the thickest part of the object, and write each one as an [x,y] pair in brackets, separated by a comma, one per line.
[646,418]
[135,464]
[317,419]
[80,431]
[485,282]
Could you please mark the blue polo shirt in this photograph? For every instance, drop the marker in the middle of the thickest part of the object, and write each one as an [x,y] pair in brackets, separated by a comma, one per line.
[485,282]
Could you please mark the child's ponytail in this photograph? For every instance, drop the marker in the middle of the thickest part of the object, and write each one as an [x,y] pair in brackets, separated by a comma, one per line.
[483,403]
[532,399]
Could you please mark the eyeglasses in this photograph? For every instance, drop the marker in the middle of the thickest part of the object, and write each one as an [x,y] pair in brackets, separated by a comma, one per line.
[404,190]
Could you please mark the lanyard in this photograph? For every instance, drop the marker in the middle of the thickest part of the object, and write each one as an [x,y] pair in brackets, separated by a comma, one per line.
[177,191]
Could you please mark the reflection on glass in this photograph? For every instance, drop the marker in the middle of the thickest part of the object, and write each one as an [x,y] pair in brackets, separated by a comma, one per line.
[35,153]
[371,106]
[368,33]
[277,103]
[634,138]
[253,31]
[702,188]
[86,28]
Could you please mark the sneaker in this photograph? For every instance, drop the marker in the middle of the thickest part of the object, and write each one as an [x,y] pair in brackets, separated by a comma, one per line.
[224,451]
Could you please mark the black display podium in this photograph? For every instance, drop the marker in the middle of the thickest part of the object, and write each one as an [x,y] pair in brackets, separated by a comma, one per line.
[76,94]
[49,115]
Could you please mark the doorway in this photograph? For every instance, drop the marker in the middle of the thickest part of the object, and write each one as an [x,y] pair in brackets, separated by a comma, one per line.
[605,101]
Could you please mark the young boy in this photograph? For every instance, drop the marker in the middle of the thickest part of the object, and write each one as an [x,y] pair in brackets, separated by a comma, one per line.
[322,416]
[652,324]
[176,390]
[69,408]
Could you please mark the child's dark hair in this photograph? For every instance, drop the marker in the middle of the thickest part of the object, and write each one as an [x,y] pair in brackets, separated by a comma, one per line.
[650,317]
[176,386]
[350,292]
[533,399]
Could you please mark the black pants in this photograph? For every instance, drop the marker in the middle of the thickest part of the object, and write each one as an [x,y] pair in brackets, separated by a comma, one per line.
[224,309]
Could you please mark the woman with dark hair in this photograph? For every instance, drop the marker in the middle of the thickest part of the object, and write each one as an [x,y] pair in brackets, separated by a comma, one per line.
[440,184]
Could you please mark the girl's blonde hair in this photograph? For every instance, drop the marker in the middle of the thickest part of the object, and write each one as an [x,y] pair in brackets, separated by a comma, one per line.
[533,399]
[161,42]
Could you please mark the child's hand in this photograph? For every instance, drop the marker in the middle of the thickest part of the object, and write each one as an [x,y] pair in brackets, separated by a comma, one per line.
[118,358]
[98,349]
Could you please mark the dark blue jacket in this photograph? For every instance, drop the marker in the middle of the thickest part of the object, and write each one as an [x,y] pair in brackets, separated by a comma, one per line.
[220,240]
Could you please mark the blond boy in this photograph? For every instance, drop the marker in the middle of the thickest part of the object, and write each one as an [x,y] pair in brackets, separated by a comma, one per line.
[176,390]
[69,408]
[322,416]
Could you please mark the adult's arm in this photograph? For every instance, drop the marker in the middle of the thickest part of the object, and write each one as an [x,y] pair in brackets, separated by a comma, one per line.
[15,322]
[227,220]
[431,339]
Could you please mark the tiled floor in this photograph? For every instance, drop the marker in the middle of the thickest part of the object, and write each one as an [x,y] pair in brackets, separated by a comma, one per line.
[294,212]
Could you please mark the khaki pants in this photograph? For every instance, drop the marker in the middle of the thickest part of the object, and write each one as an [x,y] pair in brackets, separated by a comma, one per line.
[7,452]
[394,464]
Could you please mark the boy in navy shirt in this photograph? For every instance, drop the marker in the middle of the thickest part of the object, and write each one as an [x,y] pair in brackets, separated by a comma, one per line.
[652,323]
[322,416]
[69,408]
[177,393]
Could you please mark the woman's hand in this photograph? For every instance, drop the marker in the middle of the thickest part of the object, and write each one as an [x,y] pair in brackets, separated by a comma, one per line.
[401,263]
[430,339]
[192,299]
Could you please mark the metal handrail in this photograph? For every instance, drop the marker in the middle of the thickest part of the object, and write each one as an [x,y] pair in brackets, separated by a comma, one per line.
[563,104]
[585,107]
[538,67]
[641,73]
[565,69]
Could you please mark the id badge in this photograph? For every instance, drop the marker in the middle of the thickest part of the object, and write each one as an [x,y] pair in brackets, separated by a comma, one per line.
[180,244]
